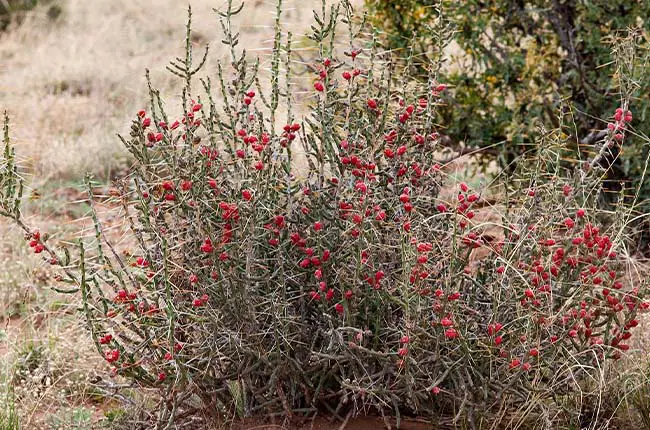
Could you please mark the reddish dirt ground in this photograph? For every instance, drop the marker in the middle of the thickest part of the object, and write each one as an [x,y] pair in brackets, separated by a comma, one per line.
[322,423]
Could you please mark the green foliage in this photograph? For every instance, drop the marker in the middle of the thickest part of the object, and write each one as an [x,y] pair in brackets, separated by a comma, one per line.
[521,65]
[9,419]
[76,418]
[11,10]
[31,356]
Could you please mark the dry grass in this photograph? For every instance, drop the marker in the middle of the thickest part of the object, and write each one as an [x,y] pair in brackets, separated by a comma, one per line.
[71,84]
[45,360]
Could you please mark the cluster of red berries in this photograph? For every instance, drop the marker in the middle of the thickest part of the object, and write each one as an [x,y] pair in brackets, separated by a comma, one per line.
[123,296]
[395,154]
[465,201]
[154,137]
[257,144]
[249,96]
[207,247]
[129,301]
[322,75]
[621,117]
[323,72]
[229,211]
[289,134]
[141,262]
[581,260]
[201,301]
[35,243]
[447,324]
[107,338]
[112,355]
[349,75]
[210,153]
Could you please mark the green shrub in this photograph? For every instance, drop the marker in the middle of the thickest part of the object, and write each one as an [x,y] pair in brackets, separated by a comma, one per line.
[11,10]
[331,263]
[525,65]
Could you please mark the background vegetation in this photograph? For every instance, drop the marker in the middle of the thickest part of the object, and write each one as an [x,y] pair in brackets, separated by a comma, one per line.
[522,68]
